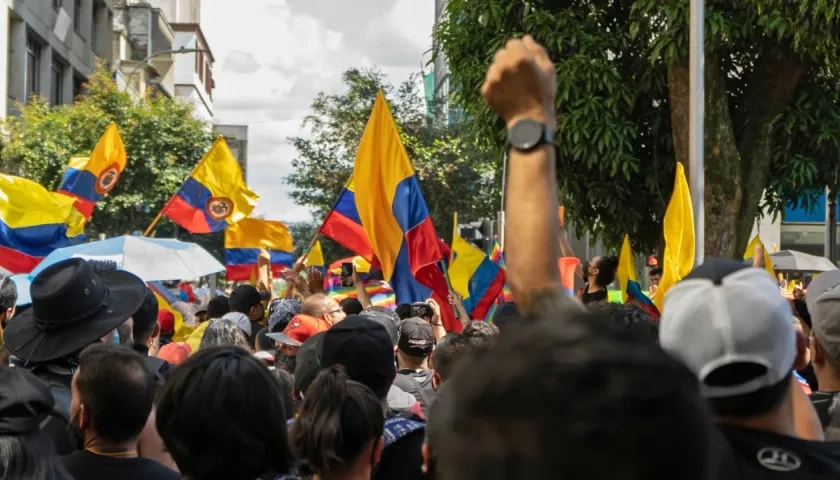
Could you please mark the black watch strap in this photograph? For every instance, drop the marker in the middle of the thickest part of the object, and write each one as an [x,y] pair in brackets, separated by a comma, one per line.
[527,135]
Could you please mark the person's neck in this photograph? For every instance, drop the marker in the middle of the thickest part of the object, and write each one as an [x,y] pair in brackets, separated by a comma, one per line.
[592,288]
[359,472]
[827,380]
[779,421]
[96,445]
[411,364]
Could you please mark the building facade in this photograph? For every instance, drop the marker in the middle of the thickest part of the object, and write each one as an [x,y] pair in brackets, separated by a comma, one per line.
[236,137]
[798,229]
[143,42]
[51,46]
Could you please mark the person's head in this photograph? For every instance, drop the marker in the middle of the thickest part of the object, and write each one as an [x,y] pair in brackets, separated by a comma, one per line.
[287,388]
[600,271]
[248,300]
[307,364]
[731,326]
[298,330]
[218,307]
[403,311]
[25,451]
[824,306]
[480,333]
[631,317]
[363,347]
[264,344]
[113,390]
[351,306]
[388,320]
[415,344]
[8,298]
[166,323]
[655,275]
[241,320]
[221,331]
[145,320]
[324,307]
[73,307]
[446,356]
[501,415]
[213,427]
[281,311]
[832,431]
[339,428]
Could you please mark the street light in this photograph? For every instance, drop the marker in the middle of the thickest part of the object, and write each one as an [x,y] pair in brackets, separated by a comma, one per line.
[145,61]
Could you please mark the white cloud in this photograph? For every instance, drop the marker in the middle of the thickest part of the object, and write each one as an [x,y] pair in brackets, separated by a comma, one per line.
[276,55]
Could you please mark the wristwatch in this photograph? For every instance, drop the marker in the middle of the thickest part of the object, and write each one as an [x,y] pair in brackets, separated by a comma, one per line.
[527,135]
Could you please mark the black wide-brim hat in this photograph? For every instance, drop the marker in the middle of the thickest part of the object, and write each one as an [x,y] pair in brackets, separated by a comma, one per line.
[72,307]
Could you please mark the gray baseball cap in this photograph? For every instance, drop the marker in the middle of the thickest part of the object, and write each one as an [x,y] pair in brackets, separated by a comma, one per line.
[823,300]
[726,313]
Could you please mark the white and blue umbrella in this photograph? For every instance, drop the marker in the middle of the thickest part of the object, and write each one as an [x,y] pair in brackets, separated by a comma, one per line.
[22,283]
[151,259]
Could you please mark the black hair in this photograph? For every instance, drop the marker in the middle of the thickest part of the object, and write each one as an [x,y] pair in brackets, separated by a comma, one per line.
[800,308]
[338,421]
[218,307]
[631,317]
[480,333]
[403,311]
[607,266]
[264,343]
[748,405]
[448,353]
[287,386]
[216,430]
[117,389]
[622,399]
[145,318]
[8,293]
[30,456]
[351,306]
[102,266]
[654,272]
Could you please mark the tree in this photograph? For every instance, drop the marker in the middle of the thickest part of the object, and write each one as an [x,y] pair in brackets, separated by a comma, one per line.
[455,173]
[162,139]
[302,233]
[623,103]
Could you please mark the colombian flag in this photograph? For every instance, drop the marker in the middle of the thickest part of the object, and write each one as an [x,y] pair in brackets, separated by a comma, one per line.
[499,259]
[631,291]
[344,226]
[214,196]
[475,277]
[88,179]
[244,240]
[315,258]
[394,216]
[33,223]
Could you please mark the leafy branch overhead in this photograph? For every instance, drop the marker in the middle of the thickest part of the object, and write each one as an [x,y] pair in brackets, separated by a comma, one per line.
[455,174]
[622,98]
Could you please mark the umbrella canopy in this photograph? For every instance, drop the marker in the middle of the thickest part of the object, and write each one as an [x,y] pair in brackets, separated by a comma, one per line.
[22,283]
[792,260]
[151,259]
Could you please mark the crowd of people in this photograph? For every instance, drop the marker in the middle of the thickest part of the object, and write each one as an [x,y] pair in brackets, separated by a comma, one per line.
[94,386]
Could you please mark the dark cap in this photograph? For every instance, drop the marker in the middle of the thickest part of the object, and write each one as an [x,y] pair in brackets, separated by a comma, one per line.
[416,337]
[24,402]
[218,307]
[387,321]
[308,362]
[244,297]
[363,347]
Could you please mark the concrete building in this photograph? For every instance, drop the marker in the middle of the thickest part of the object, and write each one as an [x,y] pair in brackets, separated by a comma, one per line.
[236,137]
[798,229]
[143,43]
[51,46]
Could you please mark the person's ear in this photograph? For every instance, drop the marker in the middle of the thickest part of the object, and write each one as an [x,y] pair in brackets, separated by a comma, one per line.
[377,450]
[10,312]
[435,380]
[156,331]
[817,355]
[427,457]
[801,352]
[84,417]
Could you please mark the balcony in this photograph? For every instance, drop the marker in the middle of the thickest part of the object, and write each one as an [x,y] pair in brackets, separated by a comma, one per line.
[145,34]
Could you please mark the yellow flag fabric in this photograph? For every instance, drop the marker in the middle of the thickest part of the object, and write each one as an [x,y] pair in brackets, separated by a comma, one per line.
[626,268]
[678,229]
[194,340]
[749,253]
[315,257]
[466,261]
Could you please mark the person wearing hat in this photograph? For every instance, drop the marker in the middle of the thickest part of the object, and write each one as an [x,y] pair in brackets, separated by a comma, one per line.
[25,402]
[300,328]
[166,320]
[8,303]
[730,325]
[823,302]
[414,347]
[72,307]
[248,300]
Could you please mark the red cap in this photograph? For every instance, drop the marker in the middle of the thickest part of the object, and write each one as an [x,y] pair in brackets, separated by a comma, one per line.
[166,321]
[175,353]
[299,329]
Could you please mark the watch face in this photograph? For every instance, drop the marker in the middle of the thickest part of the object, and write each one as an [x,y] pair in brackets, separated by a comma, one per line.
[526,134]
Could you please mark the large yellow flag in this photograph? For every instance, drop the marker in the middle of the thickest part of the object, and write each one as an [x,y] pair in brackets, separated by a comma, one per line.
[678,229]
[749,253]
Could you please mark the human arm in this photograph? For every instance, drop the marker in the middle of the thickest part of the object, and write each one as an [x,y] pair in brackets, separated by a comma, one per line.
[437,323]
[361,291]
[457,303]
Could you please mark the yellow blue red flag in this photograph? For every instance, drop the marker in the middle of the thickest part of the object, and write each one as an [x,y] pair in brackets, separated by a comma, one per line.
[631,291]
[244,240]
[475,277]
[214,196]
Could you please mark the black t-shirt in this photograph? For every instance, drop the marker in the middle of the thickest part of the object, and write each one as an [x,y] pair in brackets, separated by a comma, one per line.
[599,296]
[744,454]
[83,465]
[826,404]
[255,329]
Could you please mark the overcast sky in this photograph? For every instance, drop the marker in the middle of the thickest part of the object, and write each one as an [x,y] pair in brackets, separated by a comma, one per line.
[274,56]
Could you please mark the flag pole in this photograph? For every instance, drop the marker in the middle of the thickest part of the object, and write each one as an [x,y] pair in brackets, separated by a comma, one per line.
[695,136]
[155,221]
[318,231]
[502,207]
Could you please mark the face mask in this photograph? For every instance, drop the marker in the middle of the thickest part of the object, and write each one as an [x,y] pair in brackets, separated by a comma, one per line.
[285,362]
[77,436]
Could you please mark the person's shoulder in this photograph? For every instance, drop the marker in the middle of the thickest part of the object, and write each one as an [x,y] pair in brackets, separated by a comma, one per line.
[152,469]
[769,452]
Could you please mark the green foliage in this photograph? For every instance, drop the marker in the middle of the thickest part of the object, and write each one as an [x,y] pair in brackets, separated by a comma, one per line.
[303,232]
[618,80]
[162,139]
[455,173]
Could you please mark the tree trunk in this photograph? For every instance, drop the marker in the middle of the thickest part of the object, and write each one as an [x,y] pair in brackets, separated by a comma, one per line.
[736,168]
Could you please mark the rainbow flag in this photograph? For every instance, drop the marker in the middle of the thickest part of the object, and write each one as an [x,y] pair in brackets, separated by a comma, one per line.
[244,240]
[499,259]
[214,196]
[380,293]
[333,278]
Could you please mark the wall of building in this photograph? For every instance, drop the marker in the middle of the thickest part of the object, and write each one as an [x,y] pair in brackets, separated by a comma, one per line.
[236,137]
[4,56]
[190,84]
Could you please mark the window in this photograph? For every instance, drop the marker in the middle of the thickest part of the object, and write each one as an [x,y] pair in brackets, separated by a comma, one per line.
[77,16]
[57,83]
[33,67]
[56,4]
[78,86]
